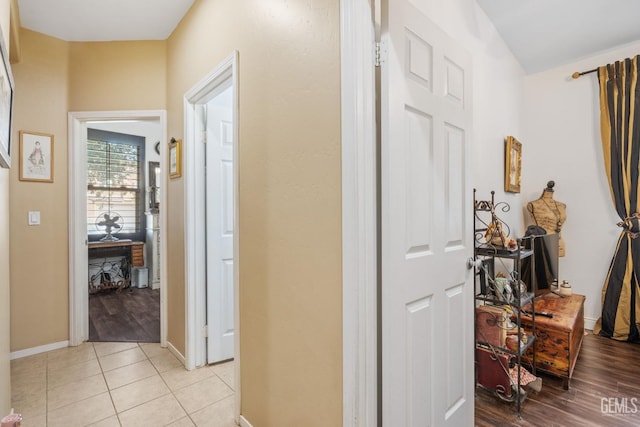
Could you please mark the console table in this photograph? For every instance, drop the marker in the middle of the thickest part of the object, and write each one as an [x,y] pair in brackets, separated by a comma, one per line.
[559,338]
[132,251]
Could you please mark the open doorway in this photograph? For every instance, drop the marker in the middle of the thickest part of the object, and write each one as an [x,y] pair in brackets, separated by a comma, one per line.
[211,216]
[135,269]
[122,230]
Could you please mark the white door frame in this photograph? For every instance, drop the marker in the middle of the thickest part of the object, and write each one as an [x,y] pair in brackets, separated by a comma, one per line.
[359,218]
[194,182]
[78,269]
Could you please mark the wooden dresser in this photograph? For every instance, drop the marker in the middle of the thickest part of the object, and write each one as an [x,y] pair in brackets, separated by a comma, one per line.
[558,338]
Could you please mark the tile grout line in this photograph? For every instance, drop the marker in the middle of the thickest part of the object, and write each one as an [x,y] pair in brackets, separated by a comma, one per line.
[170,390]
[115,410]
[147,358]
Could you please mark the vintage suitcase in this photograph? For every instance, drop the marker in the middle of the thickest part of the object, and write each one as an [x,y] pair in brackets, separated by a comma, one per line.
[490,325]
[492,369]
[558,338]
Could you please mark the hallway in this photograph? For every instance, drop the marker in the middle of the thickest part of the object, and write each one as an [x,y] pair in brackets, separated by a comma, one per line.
[109,384]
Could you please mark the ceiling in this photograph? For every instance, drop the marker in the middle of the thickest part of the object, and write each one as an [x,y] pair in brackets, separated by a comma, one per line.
[103,20]
[542,34]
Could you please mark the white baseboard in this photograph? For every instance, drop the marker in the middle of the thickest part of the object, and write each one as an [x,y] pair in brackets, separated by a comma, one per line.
[37,350]
[176,353]
[244,422]
[589,323]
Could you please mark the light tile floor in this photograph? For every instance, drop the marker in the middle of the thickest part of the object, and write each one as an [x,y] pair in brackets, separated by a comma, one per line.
[120,384]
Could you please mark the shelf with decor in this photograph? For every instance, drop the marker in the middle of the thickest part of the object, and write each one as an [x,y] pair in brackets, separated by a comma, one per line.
[502,300]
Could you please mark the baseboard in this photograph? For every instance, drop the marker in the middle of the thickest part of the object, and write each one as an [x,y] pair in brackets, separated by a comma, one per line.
[589,323]
[37,350]
[244,422]
[176,353]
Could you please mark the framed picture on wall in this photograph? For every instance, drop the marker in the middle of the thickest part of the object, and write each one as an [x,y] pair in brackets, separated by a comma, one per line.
[36,156]
[512,165]
[175,158]
[6,107]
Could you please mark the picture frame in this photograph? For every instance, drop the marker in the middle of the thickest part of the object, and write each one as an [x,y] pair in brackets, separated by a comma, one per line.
[512,165]
[36,156]
[6,107]
[175,158]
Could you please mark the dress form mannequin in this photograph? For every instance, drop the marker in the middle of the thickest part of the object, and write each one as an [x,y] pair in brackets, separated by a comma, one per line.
[549,214]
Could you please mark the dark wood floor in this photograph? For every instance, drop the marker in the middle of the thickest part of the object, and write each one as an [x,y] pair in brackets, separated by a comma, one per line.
[132,315]
[606,369]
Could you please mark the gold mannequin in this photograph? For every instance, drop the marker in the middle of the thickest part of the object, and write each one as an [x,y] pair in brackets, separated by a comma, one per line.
[549,214]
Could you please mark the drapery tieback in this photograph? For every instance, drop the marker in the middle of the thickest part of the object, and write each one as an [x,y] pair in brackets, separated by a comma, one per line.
[630,226]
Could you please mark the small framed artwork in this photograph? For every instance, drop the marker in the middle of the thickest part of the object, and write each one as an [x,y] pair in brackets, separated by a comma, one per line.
[175,158]
[513,165]
[36,156]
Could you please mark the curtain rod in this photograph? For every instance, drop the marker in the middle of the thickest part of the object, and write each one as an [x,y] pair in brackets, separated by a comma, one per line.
[577,74]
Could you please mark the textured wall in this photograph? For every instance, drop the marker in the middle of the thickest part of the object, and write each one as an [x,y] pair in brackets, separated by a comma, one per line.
[53,78]
[39,259]
[290,209]
[5,337]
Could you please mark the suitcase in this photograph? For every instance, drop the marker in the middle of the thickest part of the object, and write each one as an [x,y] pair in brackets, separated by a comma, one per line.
[492,369]
[491,325]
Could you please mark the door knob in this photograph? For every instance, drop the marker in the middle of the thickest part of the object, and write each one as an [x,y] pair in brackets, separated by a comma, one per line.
[471,263]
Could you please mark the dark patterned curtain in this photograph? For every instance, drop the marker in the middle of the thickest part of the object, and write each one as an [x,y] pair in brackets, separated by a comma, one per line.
[620,128]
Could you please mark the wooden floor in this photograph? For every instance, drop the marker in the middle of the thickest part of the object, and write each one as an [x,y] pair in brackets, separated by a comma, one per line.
[132,315]
[607,372]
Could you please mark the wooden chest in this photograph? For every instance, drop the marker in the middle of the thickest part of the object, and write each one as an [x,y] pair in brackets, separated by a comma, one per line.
[559,338]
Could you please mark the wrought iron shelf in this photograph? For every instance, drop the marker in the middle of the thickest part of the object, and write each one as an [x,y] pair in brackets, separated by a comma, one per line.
[516,303]
[503,253]
[492,242]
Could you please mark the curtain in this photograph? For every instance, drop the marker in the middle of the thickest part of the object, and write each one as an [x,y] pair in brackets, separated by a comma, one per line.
[620,129]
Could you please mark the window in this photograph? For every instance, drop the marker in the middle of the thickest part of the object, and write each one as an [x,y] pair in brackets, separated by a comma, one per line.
[115,183]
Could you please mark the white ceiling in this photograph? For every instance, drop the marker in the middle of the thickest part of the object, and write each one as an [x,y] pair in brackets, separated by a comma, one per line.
[544,34]
[103,20]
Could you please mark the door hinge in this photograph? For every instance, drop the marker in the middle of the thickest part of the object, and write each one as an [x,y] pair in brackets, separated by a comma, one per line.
[203,136]
[205,331]
[378,54]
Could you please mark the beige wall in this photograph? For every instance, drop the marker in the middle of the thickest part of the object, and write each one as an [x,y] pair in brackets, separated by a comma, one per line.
[5,378]
[290,211]
[52,78]
[117,76]
[290,250]
[39,262]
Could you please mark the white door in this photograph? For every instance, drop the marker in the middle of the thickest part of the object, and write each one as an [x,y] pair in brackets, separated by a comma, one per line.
[426,209]
[220,226]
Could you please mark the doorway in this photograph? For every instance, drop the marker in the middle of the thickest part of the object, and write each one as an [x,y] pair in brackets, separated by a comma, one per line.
[79,123]
[219,197]
[124,298]
[412,155]
[211,216]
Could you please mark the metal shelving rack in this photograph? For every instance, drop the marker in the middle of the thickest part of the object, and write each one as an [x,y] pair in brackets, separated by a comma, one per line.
[487,250]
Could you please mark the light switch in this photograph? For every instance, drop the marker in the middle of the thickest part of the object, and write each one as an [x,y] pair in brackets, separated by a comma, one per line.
[34,217]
